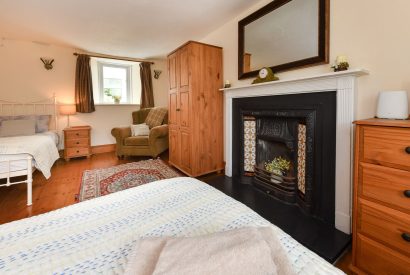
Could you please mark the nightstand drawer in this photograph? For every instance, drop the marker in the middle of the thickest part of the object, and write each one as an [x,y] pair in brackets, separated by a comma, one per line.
[386,225]
[374,258]
[78,142]
[75,134]
[387,146]
[387,185]
[77,152]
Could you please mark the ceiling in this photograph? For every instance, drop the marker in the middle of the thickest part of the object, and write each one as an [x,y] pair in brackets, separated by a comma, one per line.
[133,28]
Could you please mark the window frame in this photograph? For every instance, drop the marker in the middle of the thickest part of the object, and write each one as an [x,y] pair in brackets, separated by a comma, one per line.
[128,82]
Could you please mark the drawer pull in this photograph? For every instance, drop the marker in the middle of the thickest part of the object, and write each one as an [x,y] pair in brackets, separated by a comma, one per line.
[406,193]
[406,237]
[407,150]
[77,134]
[78,151]
[77,142]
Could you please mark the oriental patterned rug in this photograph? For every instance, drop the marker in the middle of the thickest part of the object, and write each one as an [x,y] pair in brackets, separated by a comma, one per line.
[101,182]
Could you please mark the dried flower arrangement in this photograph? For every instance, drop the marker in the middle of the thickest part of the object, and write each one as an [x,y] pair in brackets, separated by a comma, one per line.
[278,166]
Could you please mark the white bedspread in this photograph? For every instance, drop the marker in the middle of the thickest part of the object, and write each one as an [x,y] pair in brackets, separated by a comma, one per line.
[96,236]
[41,147]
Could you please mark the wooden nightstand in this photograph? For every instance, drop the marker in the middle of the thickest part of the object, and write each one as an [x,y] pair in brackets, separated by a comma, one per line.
[77,142]
[381,213]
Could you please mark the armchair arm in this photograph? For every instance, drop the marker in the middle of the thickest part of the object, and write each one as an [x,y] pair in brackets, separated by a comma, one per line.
[120,133]
[158,131]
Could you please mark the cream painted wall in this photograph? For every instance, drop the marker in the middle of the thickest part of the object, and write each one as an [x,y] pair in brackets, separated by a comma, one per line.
[23,78]
[374,34]
[160,85]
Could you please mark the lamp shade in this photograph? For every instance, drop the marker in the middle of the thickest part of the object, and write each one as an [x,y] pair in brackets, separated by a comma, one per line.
[67,109]
[393,105]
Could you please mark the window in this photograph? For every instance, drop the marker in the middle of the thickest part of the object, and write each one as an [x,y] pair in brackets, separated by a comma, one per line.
[115,82]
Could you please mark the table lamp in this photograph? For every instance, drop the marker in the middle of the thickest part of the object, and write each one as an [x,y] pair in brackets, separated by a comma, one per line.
[68,110]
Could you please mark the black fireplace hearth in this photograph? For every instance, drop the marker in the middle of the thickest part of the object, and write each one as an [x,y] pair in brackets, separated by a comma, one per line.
[299,130]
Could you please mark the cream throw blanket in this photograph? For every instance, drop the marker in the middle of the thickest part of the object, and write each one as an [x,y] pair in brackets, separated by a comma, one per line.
[41,147]
[249,250]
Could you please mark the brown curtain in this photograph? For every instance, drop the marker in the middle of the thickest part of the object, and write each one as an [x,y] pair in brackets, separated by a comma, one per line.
[147,94]
[84,99]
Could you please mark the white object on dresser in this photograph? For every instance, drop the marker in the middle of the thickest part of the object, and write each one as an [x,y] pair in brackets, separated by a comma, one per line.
[14,165]
[393,105]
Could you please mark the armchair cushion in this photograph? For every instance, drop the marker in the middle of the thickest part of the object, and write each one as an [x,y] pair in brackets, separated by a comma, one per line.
[139,130]
[136,141]
[156,116]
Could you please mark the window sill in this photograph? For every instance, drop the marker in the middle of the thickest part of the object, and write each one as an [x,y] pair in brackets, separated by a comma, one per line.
[113,104]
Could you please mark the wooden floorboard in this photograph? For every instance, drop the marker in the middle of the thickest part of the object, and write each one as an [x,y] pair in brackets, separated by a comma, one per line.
[60,190]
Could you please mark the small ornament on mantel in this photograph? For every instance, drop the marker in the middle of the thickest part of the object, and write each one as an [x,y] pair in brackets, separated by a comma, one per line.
[227,84]
[265,75]
[341,64]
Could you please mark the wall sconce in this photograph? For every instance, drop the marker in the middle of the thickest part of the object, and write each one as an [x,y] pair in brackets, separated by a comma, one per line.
[48,63]
[157,73]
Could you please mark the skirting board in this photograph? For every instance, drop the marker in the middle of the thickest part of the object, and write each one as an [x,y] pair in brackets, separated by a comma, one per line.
[98,149]
[106,148]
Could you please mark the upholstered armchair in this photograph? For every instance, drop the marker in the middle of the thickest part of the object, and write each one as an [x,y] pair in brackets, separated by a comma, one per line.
[152,145]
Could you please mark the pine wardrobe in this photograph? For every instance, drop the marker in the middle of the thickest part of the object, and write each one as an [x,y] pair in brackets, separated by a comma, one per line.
[195,108]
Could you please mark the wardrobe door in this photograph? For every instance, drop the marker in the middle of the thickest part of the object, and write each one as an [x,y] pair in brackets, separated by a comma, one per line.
[173,90]
[184,87]
[173,115]
[174,145]
[185,143]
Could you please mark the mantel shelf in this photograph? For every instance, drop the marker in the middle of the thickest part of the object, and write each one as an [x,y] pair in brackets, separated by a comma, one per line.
[352,72]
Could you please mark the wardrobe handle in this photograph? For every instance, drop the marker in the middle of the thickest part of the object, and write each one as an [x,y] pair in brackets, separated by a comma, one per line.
[406,237]
[407,149]
[178,109]
[406,193]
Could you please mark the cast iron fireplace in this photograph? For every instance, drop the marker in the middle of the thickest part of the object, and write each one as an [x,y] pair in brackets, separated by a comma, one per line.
[299,128]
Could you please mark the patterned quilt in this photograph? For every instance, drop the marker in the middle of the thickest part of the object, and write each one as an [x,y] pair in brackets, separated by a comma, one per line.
[96,236]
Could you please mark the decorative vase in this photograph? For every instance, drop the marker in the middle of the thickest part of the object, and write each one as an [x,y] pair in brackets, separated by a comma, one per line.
[275,176]
[116,100]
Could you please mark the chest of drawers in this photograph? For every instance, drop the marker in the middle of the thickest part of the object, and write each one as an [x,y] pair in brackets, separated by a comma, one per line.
[77,142]
[381,197]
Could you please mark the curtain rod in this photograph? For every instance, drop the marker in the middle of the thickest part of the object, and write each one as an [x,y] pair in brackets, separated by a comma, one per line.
[115,57]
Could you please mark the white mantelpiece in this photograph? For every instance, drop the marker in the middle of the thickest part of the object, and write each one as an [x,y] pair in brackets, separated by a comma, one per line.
[345,84]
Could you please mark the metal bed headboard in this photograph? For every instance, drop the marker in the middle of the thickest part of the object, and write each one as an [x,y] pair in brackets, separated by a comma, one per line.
[42,107]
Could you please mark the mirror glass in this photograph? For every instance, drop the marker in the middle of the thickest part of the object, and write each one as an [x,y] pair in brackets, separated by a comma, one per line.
[283,35]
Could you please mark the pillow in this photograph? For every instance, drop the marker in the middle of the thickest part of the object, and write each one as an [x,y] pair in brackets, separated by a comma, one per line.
[42,122]
[19,127]
[156,116]
[140,130]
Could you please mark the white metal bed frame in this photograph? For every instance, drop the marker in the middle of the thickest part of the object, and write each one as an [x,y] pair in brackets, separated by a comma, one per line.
[9,108]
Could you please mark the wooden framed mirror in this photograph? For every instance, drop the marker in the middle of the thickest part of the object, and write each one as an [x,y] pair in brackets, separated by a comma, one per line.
[284,35]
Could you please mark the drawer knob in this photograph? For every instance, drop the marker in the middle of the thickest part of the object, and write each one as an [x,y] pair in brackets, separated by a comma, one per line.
[78,151]
[406,237]
[407,149]
[406,193]
[78,142]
